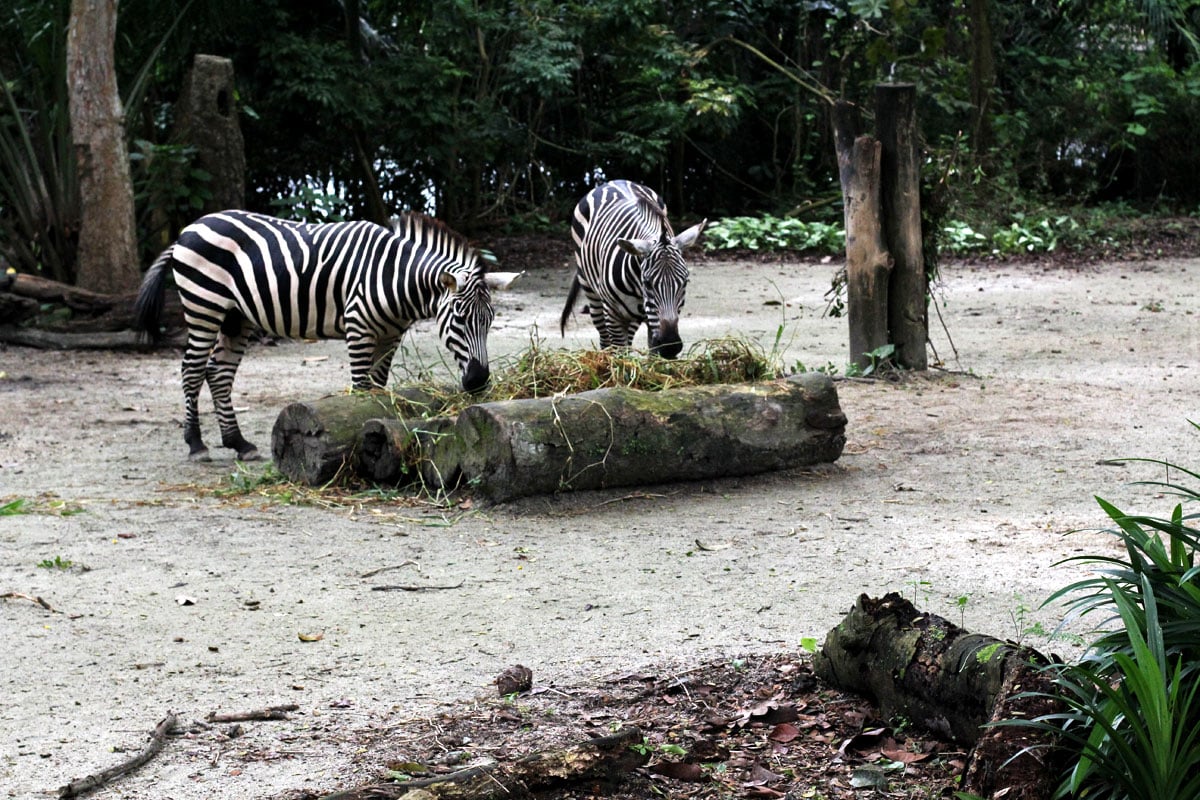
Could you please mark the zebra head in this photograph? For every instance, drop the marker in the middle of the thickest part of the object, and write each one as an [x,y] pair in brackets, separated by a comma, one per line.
[464,318]
[664,284]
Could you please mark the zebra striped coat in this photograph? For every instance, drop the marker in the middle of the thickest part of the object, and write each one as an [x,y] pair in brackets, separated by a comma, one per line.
[237,271]
[629,265]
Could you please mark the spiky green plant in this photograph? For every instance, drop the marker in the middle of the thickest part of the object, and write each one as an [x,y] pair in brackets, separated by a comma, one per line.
[1132,705]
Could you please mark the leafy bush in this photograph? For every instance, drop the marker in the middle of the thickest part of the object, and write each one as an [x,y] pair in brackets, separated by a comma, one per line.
[1132,704]
[773,233]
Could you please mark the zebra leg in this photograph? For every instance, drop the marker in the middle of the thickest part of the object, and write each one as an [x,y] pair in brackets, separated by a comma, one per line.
[381,361]
[222,367]
[195,358]
[362,346]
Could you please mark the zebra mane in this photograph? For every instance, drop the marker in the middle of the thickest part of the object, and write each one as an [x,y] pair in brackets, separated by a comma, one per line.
[434,235]
[649,200]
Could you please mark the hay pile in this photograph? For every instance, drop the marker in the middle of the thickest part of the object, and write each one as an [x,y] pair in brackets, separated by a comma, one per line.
[537,372]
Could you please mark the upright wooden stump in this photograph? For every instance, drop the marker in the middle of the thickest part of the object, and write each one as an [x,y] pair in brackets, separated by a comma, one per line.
[907,317]
[867,260]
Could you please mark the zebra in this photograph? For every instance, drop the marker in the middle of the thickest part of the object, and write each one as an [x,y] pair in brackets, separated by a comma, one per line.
[629,264]
[238,271]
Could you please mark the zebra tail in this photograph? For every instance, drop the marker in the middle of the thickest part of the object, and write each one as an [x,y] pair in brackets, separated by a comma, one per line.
[148,308]
[572,296]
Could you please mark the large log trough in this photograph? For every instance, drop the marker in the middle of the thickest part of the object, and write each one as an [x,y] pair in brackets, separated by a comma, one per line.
[599,439]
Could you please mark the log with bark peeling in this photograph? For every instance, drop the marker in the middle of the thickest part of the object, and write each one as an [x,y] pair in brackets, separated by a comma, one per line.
[606,759]
[952,682]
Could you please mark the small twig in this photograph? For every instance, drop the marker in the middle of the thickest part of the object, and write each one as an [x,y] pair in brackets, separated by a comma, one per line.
[399,587]
[31,598]
[631,496]
[374,572]
[98,779]
[268,713]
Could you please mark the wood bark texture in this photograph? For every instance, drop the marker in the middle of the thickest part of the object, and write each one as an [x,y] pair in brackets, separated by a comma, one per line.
[605,760]
[312,441]
[896,124]
[867,260]
[625,437]
[108,260]
[599,439]
[949,681]
[208,120]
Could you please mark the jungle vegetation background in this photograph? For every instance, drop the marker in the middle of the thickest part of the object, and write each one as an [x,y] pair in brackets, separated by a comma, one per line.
[497,115]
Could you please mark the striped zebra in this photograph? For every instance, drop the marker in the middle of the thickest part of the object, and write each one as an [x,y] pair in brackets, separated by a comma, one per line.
[629,264]
[237,271]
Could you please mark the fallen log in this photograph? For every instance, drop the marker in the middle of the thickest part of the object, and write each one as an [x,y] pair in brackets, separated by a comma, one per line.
[951,682]
[606,760]
[43,339]
[78,312]
[392,451]
[311,442]
[625,437]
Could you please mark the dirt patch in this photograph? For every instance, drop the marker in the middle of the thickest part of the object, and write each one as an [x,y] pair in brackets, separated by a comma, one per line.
[955,489]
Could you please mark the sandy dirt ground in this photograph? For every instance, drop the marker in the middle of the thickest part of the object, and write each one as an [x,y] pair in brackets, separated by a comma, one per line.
[955,489]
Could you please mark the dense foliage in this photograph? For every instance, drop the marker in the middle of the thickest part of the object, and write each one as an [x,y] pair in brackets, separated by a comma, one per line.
[503,112]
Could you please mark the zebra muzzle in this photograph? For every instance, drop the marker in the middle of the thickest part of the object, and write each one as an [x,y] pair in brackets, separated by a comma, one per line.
[475,377]
[667,342]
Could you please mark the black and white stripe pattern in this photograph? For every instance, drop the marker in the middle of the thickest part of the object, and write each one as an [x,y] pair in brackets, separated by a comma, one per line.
[237,272]
[629,264]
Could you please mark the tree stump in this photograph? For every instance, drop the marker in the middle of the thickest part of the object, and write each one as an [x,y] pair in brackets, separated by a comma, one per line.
[868,262]
[908,320]
[208,120]
[951,682]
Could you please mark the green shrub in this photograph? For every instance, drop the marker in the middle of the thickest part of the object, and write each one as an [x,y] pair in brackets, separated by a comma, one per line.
[1131,717]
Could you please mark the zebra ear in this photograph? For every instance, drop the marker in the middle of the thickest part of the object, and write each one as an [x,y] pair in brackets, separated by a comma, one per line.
[501,280]
[636,247]
[689,237]
[448,281]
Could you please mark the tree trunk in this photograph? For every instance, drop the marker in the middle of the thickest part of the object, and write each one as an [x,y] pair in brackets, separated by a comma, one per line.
[108,259]
[983,75]
[867,259]
[949,681]
[896,124]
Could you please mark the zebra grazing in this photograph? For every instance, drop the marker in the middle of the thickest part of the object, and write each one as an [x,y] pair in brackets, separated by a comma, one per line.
[237,271]
[629,264]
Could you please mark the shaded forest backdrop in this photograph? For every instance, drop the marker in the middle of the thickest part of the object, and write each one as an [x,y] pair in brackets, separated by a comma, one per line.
[498,115]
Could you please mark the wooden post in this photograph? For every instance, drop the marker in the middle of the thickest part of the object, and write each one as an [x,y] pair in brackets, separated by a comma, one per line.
[867,259]
[896,125]
[208,120]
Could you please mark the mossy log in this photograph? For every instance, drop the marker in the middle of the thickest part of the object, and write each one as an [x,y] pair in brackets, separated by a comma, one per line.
[949,681]
[625,437]
[604,760]
[598,439]
[312,441]
[393,451]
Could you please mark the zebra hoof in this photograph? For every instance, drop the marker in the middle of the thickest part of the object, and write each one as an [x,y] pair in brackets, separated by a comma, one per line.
[200,455]
[249,455]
